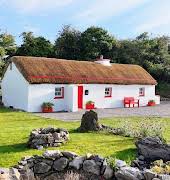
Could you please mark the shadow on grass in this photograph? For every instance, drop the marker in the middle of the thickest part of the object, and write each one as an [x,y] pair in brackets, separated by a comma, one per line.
[13,148]
[127,155]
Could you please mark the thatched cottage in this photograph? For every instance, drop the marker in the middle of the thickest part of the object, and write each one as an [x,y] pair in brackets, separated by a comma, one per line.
[68,84]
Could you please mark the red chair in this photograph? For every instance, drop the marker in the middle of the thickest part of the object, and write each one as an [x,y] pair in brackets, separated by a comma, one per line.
[130,100]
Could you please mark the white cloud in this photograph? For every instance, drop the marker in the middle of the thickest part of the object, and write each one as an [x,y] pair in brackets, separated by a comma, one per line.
[37,6]
[104,9]
[155,17]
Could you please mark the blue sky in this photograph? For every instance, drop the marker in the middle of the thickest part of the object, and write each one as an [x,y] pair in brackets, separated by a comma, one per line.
[122,18]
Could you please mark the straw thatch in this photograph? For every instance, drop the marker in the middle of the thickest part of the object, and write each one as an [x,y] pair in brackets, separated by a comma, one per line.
[38,70]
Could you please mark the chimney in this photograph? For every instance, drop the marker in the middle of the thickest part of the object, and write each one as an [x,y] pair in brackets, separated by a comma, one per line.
[104,62]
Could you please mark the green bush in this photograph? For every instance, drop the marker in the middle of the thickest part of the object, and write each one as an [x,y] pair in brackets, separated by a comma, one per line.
[144,128]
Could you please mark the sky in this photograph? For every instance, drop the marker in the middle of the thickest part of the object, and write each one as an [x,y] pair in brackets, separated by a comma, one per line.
[122,18]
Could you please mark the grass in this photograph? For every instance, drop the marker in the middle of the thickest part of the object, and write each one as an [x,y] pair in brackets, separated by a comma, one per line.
[16,126]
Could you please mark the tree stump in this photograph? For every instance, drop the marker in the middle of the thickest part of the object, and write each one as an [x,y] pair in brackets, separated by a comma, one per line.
[89,122]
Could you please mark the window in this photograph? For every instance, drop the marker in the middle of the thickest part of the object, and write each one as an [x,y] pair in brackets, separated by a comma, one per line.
[108,92]
[86,92]
[141,91]
[59,92]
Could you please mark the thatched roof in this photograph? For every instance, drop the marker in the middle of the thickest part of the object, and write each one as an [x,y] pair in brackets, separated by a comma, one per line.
[38,70]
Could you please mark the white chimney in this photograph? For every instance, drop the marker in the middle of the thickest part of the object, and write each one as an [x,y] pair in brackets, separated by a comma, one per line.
[105,62]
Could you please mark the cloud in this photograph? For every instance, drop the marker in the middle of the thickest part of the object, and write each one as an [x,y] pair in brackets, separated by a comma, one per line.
[104,9]
[155,17]
[37,6]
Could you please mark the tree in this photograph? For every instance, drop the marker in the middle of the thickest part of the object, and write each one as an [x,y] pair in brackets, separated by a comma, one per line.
[35,46]
[96,41]
[67,45]
[7,44]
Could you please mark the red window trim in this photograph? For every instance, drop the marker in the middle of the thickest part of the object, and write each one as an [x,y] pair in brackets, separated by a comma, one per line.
[141,95]
[62,94]
[108,96]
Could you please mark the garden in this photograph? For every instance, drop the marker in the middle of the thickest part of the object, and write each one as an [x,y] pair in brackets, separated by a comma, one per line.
[16,127]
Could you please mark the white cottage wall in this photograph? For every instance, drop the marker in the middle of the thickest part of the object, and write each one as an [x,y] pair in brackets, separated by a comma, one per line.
[97,94]
[39,93]
[14,89]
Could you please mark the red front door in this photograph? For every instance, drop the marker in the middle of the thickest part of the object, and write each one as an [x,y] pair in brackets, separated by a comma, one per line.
[80,97]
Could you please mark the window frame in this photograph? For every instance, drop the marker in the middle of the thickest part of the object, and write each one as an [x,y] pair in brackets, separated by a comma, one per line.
[62,93]
[141,91]
[108,89]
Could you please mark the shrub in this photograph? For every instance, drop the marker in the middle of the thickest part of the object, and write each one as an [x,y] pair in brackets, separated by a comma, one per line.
[144,128]
[160,167]
[47,105]
[89,102]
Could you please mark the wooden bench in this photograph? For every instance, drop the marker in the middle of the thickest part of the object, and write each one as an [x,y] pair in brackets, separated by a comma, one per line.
[130,100]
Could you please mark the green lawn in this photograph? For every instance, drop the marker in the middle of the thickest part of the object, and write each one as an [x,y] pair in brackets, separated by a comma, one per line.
[16,126]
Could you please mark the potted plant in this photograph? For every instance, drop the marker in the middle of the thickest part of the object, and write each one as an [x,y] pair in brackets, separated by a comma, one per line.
[89,105]
[151,103]
[47,107]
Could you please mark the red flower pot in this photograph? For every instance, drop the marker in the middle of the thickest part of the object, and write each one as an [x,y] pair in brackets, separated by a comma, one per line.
[47,109]
[151,103]
[89,106]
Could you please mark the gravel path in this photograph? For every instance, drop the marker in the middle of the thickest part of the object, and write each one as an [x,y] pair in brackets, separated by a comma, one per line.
[162,110]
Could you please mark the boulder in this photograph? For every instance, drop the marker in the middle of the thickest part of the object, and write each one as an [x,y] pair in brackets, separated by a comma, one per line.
[69,155]
[129,173]
[108,174]
[152,148]
[52,154]
[149,175]
[41,168]
[119,163]
[89,122]
[77,162]
[60,164]
[91,167]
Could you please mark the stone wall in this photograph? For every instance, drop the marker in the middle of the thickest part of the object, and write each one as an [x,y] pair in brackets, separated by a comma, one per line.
[65,165]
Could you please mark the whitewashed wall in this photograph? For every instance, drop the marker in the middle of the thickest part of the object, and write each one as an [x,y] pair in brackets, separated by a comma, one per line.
[97,94]
[14,89]
[40,93]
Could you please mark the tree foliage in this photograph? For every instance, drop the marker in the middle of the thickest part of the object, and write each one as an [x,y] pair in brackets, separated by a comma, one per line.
[35,46]
[7,44]
[96,41]
[67,45]
[152,53]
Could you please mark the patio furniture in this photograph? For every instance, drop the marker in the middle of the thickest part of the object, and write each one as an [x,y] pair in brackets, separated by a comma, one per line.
[130,100]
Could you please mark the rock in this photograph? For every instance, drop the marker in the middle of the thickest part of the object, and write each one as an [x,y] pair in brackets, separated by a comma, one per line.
[45,137]
[152,148]
[108,174]
[119,163]
[91,167]
[69,155]
[148,174]
[164,177]
[39,147]
[89,122]
[129,173]
[77,162]
[60,164]
[41,168]
[27,174]
[103,168]
[52,154]
[14,174]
